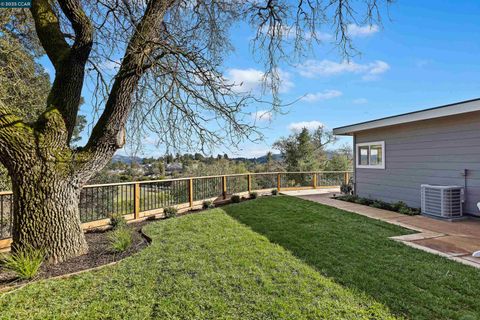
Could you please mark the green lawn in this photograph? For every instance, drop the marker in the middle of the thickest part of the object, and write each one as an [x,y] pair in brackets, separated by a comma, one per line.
[355,251]
[204,266]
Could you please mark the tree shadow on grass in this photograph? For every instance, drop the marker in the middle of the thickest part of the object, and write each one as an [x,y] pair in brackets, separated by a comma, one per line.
[357,253]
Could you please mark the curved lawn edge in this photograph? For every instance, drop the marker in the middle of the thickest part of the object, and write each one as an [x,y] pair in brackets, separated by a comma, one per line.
[205,265]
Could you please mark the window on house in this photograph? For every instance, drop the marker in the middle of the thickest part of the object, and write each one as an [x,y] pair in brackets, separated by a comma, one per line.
[371,155]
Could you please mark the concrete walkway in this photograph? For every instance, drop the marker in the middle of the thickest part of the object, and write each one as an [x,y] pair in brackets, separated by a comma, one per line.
[454,240]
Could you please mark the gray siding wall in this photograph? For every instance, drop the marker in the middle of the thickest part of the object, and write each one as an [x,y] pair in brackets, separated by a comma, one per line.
[432,151]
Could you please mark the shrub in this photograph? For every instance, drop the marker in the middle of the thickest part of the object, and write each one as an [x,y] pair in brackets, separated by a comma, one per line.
[274,192]
[381,205]
[117,221]
[348,198]
[253,195]
[400,206]
[235,198]
[397,206]
[376,204]
[408,211]
[25,263]
[120,239]
[207,204]
[364,201]
[346,188]
[170,212]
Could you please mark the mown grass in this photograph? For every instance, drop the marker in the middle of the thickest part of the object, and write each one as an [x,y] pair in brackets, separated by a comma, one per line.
[355,251]
[202,266]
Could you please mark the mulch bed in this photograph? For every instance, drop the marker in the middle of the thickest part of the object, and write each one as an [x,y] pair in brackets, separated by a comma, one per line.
[99,254]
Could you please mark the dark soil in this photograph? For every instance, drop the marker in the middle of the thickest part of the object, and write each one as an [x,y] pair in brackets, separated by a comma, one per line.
[99,254]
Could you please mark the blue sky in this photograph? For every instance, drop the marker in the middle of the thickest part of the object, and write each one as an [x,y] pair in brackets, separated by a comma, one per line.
[425,55]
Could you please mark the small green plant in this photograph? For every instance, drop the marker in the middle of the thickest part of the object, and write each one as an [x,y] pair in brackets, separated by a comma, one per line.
[348,198]
[409,211]
[117,221]
[120,239]
[274,192]
[403,208]
[364,201]
[253,195]
[25,263]
[376,204]
[399,205]
[381,205]
[207,204]
[170,212]
[235,198]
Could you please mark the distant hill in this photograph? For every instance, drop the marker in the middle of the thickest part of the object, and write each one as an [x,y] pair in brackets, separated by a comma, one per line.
[129,160]
[126,159]
[262,159]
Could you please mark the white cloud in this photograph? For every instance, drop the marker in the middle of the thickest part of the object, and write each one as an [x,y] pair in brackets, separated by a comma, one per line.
[320,96]
[247,80]
[314,68]
[355,30]
[262,115]
[360,101]
[376,68]
[323,36]
[310,125]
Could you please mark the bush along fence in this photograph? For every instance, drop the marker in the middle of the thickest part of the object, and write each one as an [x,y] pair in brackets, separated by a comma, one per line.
[142,199]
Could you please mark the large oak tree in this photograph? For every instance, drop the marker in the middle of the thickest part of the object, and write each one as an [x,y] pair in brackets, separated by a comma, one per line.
[158,66]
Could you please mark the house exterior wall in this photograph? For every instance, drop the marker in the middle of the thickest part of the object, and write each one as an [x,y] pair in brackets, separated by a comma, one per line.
[435,151]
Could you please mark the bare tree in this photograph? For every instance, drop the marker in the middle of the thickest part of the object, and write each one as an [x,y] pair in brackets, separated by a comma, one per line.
[158,66]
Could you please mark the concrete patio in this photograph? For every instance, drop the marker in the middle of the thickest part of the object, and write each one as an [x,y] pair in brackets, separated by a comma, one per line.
[454,240]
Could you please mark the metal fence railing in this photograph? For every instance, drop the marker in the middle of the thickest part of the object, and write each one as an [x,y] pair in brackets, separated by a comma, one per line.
[139,199]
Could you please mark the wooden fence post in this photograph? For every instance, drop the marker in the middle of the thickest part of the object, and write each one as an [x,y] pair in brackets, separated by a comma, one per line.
[249,179]
[224,187]
[279,182]
[190,192]
[314,180]
[136,201]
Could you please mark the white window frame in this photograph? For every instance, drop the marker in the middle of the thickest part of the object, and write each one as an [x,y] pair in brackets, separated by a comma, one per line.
[369,144]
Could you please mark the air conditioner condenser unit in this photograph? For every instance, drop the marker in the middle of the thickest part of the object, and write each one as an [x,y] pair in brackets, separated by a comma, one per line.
[442,201]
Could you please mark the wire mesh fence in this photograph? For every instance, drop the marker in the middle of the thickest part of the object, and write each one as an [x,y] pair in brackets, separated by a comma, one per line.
[296,180]
[207,188]
[104,201]
[237,184]
[262,181]
[161,194]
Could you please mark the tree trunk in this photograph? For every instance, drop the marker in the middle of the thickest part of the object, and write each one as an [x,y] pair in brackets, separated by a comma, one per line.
[46,214]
